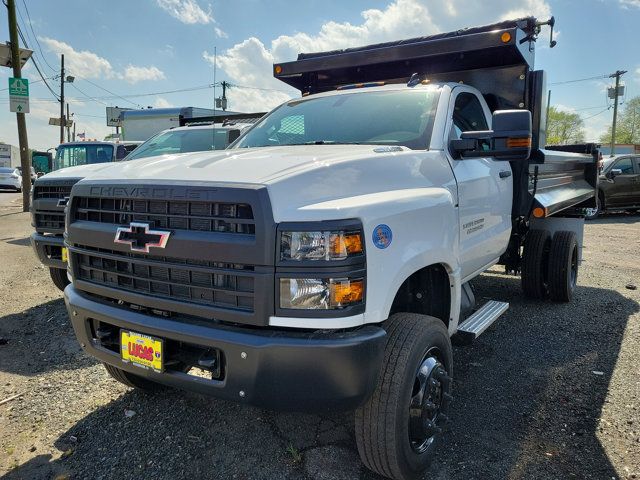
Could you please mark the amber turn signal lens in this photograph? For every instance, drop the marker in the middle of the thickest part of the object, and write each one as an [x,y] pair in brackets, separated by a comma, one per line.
[344,245]
[505,37]
[346,292]
[539,212]
[518,142]
[278,69]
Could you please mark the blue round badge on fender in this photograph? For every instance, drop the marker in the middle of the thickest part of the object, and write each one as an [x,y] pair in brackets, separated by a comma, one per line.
[382,236]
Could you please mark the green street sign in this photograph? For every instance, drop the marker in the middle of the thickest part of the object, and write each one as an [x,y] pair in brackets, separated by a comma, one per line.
[19,87]
[19,95]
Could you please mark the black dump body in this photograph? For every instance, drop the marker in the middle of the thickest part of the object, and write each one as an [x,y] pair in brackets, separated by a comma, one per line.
[496,59]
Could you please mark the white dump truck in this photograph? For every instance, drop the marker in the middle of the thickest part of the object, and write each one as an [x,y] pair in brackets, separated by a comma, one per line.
[324,260]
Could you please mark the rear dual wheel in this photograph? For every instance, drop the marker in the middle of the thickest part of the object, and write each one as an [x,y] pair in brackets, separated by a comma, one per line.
[550,265]
[399,427]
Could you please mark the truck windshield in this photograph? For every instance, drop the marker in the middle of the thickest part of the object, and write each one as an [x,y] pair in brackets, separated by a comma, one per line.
[74,155]
[182,141]
[391,117]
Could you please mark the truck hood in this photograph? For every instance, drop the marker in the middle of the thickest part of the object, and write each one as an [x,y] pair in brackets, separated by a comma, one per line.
[254,165]
[306,181]
[80,171]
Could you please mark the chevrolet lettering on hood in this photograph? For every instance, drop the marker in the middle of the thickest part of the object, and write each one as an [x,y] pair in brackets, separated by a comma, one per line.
[140,237]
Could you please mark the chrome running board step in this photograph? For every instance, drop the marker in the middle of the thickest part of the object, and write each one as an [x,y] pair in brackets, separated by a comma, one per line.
[480,320]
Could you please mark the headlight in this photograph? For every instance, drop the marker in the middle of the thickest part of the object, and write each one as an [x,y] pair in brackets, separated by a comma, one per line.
[321,245]
[320,293]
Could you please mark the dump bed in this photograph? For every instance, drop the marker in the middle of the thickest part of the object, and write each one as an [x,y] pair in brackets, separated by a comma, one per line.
[564,180]
[498,60]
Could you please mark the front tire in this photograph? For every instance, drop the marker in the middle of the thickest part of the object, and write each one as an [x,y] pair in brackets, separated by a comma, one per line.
[132,380]
[59,277]
[399,427]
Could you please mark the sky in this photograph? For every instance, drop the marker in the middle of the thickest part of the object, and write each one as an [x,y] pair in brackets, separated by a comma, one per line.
[137,53]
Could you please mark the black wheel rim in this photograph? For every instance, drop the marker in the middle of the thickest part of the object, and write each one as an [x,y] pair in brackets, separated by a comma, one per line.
[429,401]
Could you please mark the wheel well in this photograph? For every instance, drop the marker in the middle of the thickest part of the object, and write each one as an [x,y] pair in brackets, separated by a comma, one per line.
[427,292]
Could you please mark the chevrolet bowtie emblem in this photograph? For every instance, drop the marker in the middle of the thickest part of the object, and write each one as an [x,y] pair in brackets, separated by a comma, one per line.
[140,238]
[63,202]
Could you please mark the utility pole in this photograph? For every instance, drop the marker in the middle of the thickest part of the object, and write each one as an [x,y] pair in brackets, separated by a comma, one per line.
[224,95]
[62,119]
[68,127]
[25,161]
[616,94]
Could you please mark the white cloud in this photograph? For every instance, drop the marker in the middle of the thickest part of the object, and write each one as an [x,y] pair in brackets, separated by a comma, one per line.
[220,33]
[133,74]
[564,108]
[187,11]
[162,103]
[250,62]
[82,63]
[86,64]
[630,3]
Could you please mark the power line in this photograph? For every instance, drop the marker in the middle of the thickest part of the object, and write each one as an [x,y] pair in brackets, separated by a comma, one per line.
[35,36]
[257,88]
[579,80]
[109,91]
[35,63]
[31,82]
[595,115]
[88,96]
[151,94]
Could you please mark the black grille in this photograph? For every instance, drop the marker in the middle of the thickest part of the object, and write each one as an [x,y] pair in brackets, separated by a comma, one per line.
[210,284]
[49,220]
[51,191]
[176,215]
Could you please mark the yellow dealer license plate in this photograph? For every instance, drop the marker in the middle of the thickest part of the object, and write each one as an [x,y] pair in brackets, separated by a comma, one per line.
[65,254]
[141,350]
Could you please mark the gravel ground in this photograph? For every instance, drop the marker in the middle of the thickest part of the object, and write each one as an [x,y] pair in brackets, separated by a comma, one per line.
[549,391]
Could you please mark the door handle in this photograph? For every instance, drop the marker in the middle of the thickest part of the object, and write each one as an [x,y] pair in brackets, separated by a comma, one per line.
[505,174]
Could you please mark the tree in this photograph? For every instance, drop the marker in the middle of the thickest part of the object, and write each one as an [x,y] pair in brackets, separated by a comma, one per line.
[628,125]
[564,127]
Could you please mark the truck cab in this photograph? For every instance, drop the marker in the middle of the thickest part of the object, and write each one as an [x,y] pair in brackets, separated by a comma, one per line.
[73,154]
[324,260]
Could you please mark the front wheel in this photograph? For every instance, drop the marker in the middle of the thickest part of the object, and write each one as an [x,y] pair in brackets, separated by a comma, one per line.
[398,428]
[132,380]
[59,277]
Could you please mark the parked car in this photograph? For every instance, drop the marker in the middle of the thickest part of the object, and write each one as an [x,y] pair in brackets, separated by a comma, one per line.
[10,177]
[619,186]
[33,175]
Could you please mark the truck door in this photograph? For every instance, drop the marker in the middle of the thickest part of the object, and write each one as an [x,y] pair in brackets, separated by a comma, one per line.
[622,188]
[485,188]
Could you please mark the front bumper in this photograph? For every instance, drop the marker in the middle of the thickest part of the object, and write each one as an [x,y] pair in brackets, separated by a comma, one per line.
[275,369]
[48,248]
